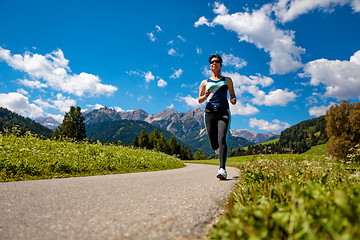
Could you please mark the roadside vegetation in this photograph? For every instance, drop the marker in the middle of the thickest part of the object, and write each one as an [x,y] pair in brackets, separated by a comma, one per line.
[292,196]
[27,157]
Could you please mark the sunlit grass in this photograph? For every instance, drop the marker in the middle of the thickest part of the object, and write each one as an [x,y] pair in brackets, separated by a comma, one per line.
[27,157]
[292,196]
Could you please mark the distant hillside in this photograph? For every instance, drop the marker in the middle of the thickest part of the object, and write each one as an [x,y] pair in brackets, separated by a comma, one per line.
[124,131]
[187,127]
[296,139]
[8,119]
[302,136]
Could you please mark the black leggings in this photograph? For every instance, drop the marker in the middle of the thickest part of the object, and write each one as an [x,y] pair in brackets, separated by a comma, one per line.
[217,126]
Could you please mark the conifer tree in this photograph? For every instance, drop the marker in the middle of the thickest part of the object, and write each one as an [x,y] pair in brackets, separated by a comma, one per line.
[72,127]
[144,140]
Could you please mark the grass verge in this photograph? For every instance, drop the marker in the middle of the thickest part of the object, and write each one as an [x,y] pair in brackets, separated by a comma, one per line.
[306,196]
[28,158]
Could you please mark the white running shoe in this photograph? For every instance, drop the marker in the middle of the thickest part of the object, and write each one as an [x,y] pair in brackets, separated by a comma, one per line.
[217,151]
[221,174]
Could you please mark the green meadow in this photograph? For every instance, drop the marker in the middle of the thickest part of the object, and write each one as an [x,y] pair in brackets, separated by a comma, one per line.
[292,196]
[279,196]
[28,158]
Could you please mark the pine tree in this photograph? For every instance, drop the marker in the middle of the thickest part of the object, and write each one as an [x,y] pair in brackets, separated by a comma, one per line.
[72,127]
[144,140]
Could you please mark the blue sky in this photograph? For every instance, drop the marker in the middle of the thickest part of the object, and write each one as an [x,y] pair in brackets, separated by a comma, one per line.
[289,60]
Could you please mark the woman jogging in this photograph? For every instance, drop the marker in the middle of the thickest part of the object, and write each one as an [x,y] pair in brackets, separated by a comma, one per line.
[217,114]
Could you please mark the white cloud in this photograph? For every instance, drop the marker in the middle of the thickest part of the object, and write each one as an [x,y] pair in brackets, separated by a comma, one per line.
[20,104]
[287,10]
[149,76]
[161,83]
[23,92]
[44,104]
[181,38]
[171,106]
[198,51]
[356,5]
[277,97]
[63,103]
[177,73]
[53,69]
[98,106]
[158,28]
[319,111]
[341,78]
[240,80]
[59,118]
[119,109]
[32,84]
[190,101]
[231,60]
[151,36]
[220,8]
[202,21]
[275,125]
[172,52]
[240,109]
[258,28]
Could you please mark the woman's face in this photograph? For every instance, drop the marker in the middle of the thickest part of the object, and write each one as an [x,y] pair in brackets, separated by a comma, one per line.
[215,64]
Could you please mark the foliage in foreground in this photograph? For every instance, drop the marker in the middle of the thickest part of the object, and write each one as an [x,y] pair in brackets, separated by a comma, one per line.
[293,197]
[27,157]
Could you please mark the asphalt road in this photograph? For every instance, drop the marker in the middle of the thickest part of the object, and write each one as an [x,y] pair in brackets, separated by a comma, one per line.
[172,204]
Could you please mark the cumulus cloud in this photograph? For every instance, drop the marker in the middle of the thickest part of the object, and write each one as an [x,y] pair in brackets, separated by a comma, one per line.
[63,103]
[161,83]
[149,76]
[202,21]
[244,84]
[341,78]
[277,97]
[244,110]
[258,28]
[274,125]
[288,10]
[177,73]
[190,101]
[319,111]
[231,60]
[52,70]
[20,104]
[220,8]
[240,80]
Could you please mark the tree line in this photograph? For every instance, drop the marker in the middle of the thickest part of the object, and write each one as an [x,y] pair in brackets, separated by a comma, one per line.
[9,119]
[296,139]
[156,141]
[73,128]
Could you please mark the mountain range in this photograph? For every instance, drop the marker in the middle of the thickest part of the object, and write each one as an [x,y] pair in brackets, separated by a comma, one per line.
[189,127]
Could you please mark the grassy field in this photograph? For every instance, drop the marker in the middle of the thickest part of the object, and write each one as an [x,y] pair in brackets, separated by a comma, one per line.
[28,158]
[305,196]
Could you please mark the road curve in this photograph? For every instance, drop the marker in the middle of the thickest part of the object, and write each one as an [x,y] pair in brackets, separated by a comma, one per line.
[172,204]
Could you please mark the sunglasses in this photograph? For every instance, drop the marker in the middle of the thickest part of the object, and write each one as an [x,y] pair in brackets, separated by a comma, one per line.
[215,61]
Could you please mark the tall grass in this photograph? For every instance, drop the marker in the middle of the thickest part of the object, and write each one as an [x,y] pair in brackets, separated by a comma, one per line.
[305,196]
[27,157]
